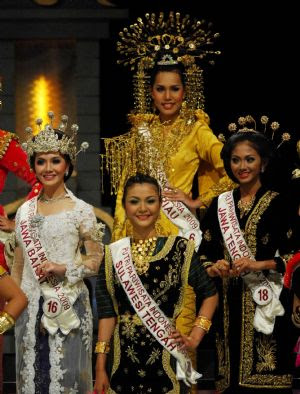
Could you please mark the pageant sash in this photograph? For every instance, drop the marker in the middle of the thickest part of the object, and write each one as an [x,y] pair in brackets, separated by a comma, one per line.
[265,290]
[182,217]
[59,299]
[176,211]
[148,311]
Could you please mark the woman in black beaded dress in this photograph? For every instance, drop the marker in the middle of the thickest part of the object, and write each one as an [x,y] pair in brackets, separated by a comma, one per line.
[252,352]
[164,265]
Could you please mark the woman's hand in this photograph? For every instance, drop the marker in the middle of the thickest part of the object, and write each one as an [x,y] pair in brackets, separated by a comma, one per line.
[186,342]
[102,382]
[48,267]
[175,194]
[244,264]
[220,268]
[6,224]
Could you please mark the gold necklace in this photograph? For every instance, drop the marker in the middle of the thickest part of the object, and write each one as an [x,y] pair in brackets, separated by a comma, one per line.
[142,252]
[245,206]
[50,200]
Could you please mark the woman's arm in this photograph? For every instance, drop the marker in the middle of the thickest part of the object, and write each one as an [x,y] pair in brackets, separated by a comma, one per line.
[201,326]
[16,300]
[105,330]
[107,322]
[206,293]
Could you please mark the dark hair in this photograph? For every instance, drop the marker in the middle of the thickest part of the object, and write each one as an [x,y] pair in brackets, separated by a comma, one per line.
[177,68]
[60,135]
[263,146]
[140,179]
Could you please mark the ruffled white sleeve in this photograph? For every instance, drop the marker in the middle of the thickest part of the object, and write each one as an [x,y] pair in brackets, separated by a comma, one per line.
[90,251]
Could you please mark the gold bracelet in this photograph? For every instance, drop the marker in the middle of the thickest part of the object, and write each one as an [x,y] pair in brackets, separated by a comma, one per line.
[6,322]
[203,322]
[207,264]
[102,347]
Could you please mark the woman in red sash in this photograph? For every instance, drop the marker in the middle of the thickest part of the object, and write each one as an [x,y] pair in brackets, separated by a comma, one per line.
[164,265]
[244,252]
[54,333]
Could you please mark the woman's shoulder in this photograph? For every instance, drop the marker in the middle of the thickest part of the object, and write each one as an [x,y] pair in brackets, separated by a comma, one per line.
[201,116]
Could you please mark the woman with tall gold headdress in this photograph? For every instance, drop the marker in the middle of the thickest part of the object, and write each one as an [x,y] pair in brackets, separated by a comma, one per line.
[54,333]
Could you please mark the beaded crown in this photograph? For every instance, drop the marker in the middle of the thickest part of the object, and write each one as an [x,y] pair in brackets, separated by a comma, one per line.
[247,124]
[47,140]
[167,40]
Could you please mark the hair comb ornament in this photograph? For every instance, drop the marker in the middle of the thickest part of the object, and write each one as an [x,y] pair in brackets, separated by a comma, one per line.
[167,40]
[47,140]
[247,124]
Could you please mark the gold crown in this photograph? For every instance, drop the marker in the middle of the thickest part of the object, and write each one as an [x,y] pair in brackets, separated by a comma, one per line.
[247,124]
[47,140]
[182,39]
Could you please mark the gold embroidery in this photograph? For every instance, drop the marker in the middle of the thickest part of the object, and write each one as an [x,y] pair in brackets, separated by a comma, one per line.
[141,373]
[207,235]
[246,377]
[265,239]
[220,354]
[155,354]
[132,354]
[169,371]
[289,233]
[266,348]
[128,330]
[224,381]
[190,248]
[5,139]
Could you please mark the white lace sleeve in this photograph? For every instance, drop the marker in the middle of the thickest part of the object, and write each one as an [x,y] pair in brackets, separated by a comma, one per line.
[18,261]
[91,233]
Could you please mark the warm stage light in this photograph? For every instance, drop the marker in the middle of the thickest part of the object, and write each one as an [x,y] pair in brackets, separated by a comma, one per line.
[43,97]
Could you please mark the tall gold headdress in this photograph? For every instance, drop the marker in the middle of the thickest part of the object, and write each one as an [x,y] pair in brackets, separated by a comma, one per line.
[167,41]
[48,141]
[161,40]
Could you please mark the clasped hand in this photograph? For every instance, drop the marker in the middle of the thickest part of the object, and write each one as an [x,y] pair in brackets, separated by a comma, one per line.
[48,268]
[222,267]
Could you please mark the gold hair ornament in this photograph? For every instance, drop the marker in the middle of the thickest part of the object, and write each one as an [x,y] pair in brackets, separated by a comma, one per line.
[47,140]
[246,124]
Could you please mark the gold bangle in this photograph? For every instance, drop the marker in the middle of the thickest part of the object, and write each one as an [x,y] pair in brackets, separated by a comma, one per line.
[102,347]
[207,264]
[203,322]
[6,322]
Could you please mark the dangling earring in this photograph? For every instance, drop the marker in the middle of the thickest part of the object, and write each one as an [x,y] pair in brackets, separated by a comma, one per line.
[67,173]
[262,169]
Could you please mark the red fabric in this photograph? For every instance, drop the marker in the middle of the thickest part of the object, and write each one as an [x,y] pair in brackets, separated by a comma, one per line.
[1,351]
[14,159]
[291,266]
